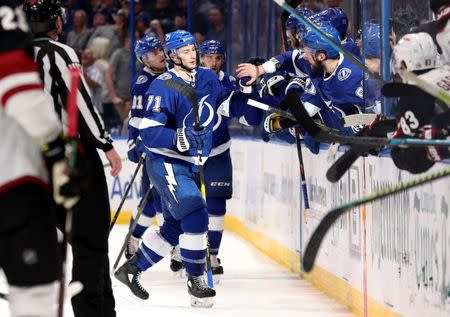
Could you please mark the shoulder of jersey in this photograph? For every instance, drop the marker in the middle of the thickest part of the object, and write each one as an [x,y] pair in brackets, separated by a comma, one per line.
[165,76]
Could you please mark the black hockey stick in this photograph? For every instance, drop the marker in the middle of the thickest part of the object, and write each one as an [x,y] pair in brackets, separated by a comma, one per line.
[266,107]
[343,163]
[133,226]
[330,218]
[127,191]
[327,135]
[192,96]
[3,296]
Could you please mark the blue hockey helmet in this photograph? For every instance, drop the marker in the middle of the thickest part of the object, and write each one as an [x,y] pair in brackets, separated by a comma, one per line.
[315,42]
[293,24]
[372,40]
[212,47]
[177,39]
[146,44]
[336,17]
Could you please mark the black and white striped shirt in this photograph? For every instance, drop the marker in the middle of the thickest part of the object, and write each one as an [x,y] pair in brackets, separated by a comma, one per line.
[54,60]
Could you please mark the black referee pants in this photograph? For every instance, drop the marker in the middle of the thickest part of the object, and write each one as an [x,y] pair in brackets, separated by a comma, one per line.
[90,230]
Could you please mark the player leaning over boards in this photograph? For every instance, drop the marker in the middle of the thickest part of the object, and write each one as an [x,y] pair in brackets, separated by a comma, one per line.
[172,144]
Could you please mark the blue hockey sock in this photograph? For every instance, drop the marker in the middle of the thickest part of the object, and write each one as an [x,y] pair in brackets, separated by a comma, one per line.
[216,211]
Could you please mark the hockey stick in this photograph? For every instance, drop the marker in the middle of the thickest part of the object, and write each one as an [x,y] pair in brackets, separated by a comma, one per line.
[425,86]
[327,135]
[265,107]
[392,90]
[72,136]
[358,119]
[3,296]
[343,163]
[133,226]
[330,218]
[192,96]
[119,209]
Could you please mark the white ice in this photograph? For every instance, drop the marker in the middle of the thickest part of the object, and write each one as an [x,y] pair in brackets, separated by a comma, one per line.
[253,285]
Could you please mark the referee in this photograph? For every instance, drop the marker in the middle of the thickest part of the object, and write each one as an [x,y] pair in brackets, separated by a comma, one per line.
[91,216]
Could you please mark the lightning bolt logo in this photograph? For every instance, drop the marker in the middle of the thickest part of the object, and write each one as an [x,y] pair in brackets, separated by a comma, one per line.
[171,181]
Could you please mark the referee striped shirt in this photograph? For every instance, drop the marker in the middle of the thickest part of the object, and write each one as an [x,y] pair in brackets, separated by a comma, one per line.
[54,60]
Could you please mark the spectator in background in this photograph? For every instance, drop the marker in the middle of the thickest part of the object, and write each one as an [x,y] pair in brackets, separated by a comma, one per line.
[334,3]
[118,79]
[101,50]
[137,6]
[101,17]
[80,34]
[314,5]
[217,30]
[94,78]
[115,32]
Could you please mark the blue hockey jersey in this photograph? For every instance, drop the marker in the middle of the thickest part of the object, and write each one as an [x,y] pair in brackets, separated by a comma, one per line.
[343,89]
[143,80]
[167,109]
[350,46]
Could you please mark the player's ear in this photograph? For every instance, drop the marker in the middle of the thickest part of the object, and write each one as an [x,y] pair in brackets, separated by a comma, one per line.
[321,56]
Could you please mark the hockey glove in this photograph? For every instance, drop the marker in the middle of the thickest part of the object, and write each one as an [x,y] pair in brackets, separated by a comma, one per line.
[188,139]
[133,152]
[271,123]
[66,186]
[244,87]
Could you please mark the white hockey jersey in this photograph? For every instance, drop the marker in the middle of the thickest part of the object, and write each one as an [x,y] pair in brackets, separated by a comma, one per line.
[27,121]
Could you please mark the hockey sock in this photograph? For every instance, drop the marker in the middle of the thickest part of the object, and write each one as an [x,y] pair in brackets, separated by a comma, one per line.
[145,220]
[193,241]
[154,248]
[216,211]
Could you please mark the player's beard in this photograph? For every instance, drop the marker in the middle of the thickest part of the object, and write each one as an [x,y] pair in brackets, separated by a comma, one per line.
[317,67]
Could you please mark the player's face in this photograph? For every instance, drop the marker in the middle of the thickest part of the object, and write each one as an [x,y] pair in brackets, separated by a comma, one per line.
[155,60]
[292,41]
[312,58]
[188,56]
[214,61]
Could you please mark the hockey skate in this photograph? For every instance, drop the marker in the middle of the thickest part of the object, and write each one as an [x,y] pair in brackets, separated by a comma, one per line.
[175,261]
[130,275]
[216,269]
[201,294]
[132,246]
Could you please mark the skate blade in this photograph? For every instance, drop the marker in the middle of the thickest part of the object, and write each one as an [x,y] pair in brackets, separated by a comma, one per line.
[206,302]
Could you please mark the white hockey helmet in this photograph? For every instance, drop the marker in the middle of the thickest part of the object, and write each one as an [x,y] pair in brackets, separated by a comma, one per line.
[417,51]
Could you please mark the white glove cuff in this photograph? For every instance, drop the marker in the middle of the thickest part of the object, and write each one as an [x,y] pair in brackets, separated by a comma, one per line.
[269,67]
[182,141]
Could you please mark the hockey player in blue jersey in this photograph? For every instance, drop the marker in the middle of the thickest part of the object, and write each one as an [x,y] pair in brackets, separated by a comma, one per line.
[218,168]
[172,146]
[150,53]
[340,81]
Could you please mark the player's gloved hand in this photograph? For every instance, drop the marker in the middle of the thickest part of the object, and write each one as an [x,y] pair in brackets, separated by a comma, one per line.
[133,153]
[66,185]
[189,139]
[271,123]
[244,86]
[297,83]
[435,153]
[275,83]
[287,135]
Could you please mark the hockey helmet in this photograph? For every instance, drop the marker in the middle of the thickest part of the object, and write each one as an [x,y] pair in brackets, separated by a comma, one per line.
[417,51]
[177,39]
[42,14]
[146,44]
[372,40]
[316,43]
[212,47]
[336,17]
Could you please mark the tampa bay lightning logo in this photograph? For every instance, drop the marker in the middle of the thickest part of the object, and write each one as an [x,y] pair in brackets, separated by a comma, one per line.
[204,104]
[309,87]
[141,79]
[344,73]
[165,76]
